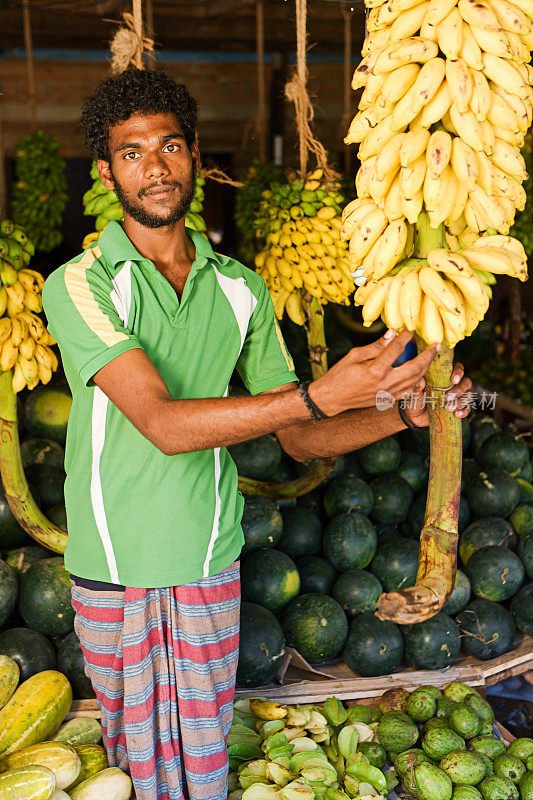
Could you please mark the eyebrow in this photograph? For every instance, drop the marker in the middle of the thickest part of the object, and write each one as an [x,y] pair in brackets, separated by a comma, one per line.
[138,145]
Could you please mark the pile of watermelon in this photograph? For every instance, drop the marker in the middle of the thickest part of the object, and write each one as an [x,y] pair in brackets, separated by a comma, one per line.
[313,568]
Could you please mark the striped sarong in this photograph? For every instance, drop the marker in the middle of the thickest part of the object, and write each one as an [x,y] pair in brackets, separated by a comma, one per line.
[162,663]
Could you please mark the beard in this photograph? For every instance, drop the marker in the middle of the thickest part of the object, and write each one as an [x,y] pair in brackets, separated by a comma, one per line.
[143,217]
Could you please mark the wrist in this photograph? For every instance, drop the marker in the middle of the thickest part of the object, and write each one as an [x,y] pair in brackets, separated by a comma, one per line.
[319,396]
[409,419]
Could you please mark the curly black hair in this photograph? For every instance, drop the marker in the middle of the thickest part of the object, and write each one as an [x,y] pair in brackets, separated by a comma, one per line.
[133,91]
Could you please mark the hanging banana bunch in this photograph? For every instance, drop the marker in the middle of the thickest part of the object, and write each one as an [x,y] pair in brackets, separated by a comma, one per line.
[446,104]
[304,252]
[103,204]
[24,340]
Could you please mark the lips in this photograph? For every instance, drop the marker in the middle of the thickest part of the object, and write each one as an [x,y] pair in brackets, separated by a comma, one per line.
[159,191]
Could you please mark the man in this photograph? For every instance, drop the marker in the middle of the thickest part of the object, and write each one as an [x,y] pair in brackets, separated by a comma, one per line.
[151,324]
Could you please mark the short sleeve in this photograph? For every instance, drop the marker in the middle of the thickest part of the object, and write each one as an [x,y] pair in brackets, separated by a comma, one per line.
[264,362]
[82,310]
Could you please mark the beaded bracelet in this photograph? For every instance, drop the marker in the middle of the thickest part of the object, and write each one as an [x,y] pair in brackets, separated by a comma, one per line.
[315,412]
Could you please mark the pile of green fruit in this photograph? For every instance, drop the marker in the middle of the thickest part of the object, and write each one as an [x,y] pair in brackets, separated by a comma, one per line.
[40,190]
[258,179]
[512,378]
[439,743]
[313,569]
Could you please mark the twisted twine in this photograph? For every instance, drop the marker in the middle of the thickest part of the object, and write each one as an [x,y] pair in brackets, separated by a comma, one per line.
[129,42]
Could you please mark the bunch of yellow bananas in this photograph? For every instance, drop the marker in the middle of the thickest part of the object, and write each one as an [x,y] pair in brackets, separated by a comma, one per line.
[304,252]
[446,104]
[24,340]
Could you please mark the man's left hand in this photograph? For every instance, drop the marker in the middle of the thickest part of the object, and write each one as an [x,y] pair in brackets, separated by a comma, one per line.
[457,399]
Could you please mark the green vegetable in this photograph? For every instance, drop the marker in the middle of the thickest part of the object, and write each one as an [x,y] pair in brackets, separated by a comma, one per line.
[369,774]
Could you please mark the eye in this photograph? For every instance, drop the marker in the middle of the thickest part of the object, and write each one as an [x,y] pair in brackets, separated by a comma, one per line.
[131,155]
[172,147]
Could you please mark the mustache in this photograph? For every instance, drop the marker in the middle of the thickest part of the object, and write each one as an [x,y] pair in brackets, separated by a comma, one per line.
[157,184]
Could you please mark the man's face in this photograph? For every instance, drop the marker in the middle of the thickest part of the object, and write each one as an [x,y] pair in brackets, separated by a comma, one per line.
[151,169]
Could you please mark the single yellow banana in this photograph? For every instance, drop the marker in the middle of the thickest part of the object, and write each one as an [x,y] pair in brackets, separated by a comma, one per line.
[470,50]
[32,302]
[413,145]
[412,177]
[438,152]
[5,329]
[8,356]
[410,299]
[450,34]
[438,289]
[437,107]
[27,347]
[391,309]
[375,300]
[430,321]
[391,246]
[367,233]
[18,381]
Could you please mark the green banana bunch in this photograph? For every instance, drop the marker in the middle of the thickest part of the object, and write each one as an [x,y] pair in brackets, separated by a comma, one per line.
[40,190]
[258,179]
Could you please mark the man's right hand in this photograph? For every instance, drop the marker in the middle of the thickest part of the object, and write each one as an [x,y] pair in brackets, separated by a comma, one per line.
[354,380]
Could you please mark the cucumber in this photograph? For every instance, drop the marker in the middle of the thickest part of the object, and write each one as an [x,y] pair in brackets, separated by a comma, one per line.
[93,759]
[80,730]
[61,758]
[9,678]
[27,783]
[109,784]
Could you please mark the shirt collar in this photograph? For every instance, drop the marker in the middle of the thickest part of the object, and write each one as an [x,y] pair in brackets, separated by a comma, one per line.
[117,247]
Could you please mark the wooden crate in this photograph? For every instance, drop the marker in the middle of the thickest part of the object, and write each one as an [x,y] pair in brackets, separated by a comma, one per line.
[302,686]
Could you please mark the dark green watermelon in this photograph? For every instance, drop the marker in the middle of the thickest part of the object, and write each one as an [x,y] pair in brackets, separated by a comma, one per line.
[42,451]
[380,457]
[495,573]
[316,575]
[261,646]
[522,519]
[32,651]
[526,473]
[258,458]
[283,473]
[413,469]
[269,578]
[58,515]
[262,523]
[45,597]
[396,563]
[373,647]
[432,644]
[525,551]
[522,609]
[348,493]
[487,629]
[505,451]
[417,513]
[460,595]
[9,590]
[316,626]
[420,439]
[483,532]
[312,501]
[482,427]
[525,491]
[350,541]
[493,493]
[469,469]
[464,514]
[357,591]
[302,532]
[70,662]
[386,533]
[49,481]
[466,433]
[21,558]
[46,412]
[352,465]
[11,534]
[392,499]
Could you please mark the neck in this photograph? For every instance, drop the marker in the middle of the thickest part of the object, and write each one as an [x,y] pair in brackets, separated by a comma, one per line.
[169,247]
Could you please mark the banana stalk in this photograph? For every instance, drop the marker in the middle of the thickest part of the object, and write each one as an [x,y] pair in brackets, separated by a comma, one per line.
[437,561]
[16,489]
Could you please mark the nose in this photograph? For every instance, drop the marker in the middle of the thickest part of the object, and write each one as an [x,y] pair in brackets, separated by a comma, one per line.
[155,166]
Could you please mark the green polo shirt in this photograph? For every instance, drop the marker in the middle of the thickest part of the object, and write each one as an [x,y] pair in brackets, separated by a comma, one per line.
[135,516]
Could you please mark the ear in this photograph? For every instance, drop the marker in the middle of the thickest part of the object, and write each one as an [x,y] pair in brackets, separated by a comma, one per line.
[104,173]
[196,158]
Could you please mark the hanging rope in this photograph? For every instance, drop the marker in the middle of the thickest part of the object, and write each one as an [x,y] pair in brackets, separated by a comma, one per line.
[129,42]
[296,92]
[347,82]
[26,22]
[261,120]
[219,176]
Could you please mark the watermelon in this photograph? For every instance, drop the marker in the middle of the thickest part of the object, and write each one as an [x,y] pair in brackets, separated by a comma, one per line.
[392,499]
[316,626]
[353,466]
[417,513]
[45,597]
[261,646]
[30,649]
[487,629]
[420,440]
[262,523]
[49,481]
[526,473]
[61,758]
[312,501]
[70,662]
[302,532]
[470,468]
[386,533]
[525,491]
[28,783]
[484,532]
[525,551]
[522,519]
[350,541]
[432,644]
[380,457]
[413,469]
[58,515]
[9,589]
[42,451]
[46,412]
[21,558]
[316,575]
[492,493]
[258,458]
[464,514]
[396,563]
[460,595]
[374,647]
[269,578]
[348,493]
[482,427]
[522,609]
[495,573]
[79,731]
[505,451]
[357,591]
[93,759]
[11,534]
[283,473]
